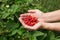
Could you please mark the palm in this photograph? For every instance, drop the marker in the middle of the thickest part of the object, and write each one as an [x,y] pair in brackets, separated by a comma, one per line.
[35,27]
[35,13]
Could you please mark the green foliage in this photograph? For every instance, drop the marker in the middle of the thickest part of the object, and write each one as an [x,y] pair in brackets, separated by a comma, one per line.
[11,28]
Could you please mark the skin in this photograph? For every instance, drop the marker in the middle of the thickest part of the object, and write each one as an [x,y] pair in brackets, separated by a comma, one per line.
[44,20]
[51,26]
[35,13]
[51,16]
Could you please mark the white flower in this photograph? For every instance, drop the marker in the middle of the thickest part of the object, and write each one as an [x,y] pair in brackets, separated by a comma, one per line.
[7,6]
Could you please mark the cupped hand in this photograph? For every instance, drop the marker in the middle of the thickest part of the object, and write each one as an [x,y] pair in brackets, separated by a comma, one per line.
[34,27]
[35,13]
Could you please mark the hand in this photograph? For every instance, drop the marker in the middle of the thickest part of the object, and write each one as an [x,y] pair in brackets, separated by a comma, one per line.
[37,14]
[35,27]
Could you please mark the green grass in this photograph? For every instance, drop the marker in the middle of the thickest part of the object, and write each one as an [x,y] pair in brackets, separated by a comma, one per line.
[11,28]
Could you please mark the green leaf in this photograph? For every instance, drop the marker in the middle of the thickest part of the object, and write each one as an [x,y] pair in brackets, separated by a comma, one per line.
[38,33]
[32,38]
[13,32]
[11,25]
[5,14]
[3,0]
[10,11]
[51,36]
[14,8]
[3,38]
[35,34]
[42,37]
[57,39]
[21,30]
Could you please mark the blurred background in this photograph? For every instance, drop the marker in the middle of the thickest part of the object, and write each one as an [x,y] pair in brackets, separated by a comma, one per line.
[11,28]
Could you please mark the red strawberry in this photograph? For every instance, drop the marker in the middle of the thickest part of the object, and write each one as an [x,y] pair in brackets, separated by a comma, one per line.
[29,20]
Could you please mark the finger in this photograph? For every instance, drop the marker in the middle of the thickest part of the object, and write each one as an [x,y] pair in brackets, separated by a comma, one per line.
[23,15]
[31,11]
[20,19]
[35,11]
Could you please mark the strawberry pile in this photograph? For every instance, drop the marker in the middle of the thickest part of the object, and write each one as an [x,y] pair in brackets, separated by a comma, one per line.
[29,20]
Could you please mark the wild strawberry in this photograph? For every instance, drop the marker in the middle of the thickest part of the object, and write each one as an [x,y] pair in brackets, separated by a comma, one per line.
[29,20]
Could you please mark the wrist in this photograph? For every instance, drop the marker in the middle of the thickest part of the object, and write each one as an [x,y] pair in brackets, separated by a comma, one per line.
[43,17]
[48,26]
[44,26]
[46,17]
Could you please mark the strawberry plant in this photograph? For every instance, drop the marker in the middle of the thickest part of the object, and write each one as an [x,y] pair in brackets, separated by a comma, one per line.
[12,29]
